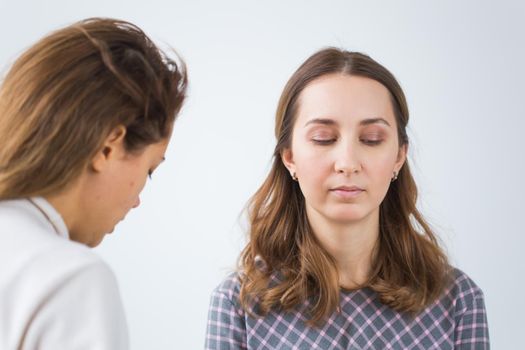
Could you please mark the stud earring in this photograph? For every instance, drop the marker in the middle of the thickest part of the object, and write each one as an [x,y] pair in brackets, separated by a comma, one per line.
[294,176]
[394,177]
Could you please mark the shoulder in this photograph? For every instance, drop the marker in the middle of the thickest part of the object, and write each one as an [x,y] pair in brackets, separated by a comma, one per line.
[81,304]
[464,292]
[226,327]
[74,259]
[56,284]
[72,267]
[38,262]
[59,267]
[61,256]
[229,290]
[226,296]
[463,285]
[230,287]
[29,248]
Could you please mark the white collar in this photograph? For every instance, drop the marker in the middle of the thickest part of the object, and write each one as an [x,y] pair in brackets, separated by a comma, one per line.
[51,215]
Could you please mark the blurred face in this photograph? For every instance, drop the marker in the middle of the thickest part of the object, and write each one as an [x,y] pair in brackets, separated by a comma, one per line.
[114,188]
[345,147]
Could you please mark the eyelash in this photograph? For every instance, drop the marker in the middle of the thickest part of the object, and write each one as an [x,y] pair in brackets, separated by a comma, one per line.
[330,141]
[371,142]
[323,142]
[150,172]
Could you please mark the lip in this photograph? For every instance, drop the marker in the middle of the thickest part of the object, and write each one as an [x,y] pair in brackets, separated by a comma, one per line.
[347,192]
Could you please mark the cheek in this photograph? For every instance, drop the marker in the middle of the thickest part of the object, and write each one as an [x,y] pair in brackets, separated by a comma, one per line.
[380,172]
[313,171]
[136,185]
[131,190]
[131,186]
[313,166]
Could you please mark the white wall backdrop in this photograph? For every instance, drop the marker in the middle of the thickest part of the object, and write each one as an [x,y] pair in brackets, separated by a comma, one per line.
[461,64]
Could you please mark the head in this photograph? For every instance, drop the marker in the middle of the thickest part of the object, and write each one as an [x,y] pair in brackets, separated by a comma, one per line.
[340,156]
[341,126]
[88,109]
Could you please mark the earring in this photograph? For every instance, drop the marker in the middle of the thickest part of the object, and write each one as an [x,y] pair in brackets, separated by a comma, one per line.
[394,177]
[294,176]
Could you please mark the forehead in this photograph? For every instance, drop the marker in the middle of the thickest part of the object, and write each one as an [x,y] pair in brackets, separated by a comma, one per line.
[344,98]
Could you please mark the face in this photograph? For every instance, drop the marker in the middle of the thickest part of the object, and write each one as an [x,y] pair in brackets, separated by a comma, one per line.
[114,188]
[344,147]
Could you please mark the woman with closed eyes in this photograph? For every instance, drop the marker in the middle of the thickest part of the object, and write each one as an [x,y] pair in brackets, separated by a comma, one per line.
[338,256]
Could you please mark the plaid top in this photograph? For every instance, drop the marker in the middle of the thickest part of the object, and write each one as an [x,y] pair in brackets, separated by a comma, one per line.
[455,321]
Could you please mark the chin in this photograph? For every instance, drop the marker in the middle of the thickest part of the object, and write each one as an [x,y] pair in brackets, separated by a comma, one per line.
[346,219]
[96,240]
[347,215]
[94,244]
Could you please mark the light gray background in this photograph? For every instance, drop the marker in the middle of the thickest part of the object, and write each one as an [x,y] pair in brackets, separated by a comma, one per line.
[461,64]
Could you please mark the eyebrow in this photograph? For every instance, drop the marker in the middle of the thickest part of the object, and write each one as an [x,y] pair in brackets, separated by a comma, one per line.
[374,121]
[323,121]
[328,121]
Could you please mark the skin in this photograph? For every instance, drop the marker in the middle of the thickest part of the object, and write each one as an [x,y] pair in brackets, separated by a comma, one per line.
[344,152]
[108,189]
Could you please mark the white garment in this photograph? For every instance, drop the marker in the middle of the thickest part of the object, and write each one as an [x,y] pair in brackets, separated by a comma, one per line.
[54,293]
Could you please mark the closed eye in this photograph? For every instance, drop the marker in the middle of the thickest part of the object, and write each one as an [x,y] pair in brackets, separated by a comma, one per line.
[323,141]
[371,142]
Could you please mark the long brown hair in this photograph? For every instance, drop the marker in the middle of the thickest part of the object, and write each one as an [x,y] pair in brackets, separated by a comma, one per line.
[65,94]
[409,270]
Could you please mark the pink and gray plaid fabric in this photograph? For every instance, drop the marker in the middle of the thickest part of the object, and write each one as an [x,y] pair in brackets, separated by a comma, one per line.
[456,321]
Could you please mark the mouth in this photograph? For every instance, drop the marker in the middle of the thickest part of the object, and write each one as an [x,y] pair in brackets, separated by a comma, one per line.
[347,192]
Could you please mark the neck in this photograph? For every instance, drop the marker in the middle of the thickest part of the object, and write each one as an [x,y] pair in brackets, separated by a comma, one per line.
[351,244]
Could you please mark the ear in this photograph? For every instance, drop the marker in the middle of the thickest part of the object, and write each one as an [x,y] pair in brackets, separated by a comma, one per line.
[113,148]
[287,159]
[401,157]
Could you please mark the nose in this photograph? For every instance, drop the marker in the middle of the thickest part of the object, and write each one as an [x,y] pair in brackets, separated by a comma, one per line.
[137,203]
[347,160]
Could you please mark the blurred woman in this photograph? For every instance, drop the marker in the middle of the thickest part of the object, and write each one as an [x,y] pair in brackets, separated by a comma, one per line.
[339,257]
[86,115]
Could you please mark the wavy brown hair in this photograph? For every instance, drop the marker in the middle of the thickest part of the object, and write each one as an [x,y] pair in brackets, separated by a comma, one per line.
[409,270]
[64,95]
